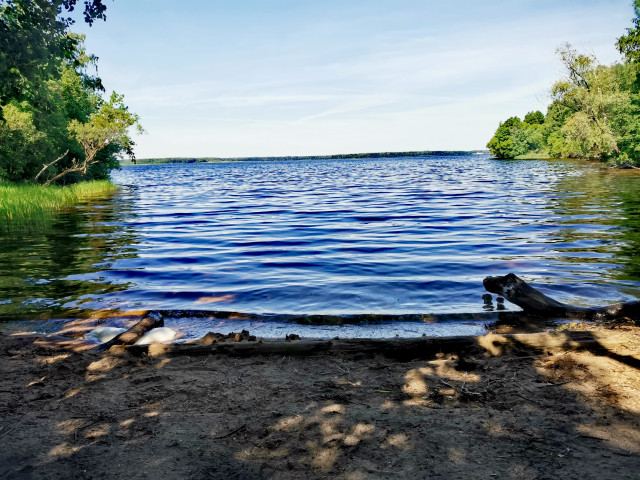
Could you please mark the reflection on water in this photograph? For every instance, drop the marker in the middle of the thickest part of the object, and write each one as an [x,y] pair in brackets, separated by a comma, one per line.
[383,236]
[51,268]
[629,252]
[599,240]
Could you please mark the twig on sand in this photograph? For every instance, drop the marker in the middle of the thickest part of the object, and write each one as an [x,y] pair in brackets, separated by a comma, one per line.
[554,384]
[241,427]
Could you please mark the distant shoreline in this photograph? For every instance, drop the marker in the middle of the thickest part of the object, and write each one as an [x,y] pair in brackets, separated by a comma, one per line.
[345,156]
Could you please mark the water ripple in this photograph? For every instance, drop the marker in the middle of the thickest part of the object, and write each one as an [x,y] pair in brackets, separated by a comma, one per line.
[384,236]
[376,236]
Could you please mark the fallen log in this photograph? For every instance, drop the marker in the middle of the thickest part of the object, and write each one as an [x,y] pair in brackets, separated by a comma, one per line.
[401,349]
[520,293]
[131,336]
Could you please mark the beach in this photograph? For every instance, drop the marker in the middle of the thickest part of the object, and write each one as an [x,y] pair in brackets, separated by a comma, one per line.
[498,409]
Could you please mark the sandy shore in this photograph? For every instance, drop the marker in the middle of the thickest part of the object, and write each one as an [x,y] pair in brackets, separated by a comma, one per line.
[516,412]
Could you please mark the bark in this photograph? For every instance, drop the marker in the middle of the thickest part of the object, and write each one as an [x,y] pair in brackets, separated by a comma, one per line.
[518,292]
[76,167]
[45,166]
[401,349]
[131,336]
[89,160]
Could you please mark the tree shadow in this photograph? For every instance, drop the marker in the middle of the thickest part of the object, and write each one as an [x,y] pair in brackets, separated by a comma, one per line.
[69,413]
[499,408]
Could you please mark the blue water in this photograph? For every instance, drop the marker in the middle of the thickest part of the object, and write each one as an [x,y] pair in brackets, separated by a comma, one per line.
[374,236]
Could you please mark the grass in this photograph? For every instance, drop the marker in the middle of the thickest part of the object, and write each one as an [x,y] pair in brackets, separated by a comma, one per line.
[534,156]
[26,202]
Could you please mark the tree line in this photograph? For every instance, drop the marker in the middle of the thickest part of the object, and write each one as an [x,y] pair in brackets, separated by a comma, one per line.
[57,125]
[594,112]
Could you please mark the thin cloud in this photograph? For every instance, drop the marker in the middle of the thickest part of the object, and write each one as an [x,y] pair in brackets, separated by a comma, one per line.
[342,76]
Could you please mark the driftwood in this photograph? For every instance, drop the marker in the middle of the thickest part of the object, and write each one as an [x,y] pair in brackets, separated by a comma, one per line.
[131,336]
[402,348]
[518,292]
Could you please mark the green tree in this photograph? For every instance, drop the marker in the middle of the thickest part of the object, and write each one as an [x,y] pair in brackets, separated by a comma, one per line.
[534,118]
[20,141]
[48,91]
[629,44]
[501,144]
[107,127]
[34,40]
[592,94]
[528,138]
[595,112]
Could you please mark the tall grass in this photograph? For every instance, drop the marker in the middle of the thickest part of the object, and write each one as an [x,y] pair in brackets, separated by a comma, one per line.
[33,202]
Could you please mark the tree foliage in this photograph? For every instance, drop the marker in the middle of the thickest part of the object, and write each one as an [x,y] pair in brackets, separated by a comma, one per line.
[534,118]
[502,143]
[515,137]
[592,94]
[594,114]
[629,44]
[48,91]
[34,40]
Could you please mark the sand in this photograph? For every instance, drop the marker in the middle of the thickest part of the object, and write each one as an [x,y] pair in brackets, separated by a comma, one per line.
[523,413]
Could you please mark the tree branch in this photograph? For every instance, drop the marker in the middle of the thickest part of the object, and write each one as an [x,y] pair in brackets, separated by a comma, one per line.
[44,166]
[75,168]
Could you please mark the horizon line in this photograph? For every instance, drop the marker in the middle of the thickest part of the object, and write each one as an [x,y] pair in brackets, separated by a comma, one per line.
[335,155]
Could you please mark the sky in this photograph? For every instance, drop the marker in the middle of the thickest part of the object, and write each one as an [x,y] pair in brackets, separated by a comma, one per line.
[216,78]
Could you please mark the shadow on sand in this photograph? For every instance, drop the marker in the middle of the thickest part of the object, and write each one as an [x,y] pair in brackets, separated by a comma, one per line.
[502,407]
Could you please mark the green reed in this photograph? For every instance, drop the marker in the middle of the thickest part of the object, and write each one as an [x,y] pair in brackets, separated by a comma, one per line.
[24,202]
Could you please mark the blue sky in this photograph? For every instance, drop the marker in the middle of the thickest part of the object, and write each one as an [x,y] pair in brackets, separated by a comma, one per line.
[264,77]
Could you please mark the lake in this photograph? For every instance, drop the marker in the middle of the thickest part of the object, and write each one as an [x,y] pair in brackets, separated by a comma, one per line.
[272,240]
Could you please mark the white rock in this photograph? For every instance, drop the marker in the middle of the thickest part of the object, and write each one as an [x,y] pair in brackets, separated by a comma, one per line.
[104,334]
[157,335]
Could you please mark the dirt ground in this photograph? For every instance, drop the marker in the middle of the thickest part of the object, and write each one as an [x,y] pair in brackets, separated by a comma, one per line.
[523,413]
